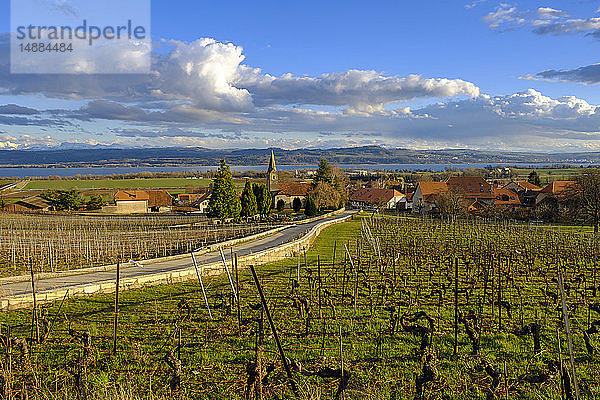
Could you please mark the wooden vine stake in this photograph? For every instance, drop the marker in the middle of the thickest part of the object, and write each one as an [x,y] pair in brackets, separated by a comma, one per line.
[116,320]
[286,366]
[201,285]
[568,331]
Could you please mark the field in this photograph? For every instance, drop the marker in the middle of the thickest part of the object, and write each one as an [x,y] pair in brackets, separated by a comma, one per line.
[548,175]
[53,243]
[88,184]
[379,308]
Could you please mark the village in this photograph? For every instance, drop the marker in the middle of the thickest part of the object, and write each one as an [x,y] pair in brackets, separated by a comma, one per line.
[285,195]
[329,188]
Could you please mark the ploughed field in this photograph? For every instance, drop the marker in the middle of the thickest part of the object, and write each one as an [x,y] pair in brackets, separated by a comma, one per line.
[51,243]
[379,308]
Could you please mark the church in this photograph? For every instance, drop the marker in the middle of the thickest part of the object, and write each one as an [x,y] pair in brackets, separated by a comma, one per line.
[285,192]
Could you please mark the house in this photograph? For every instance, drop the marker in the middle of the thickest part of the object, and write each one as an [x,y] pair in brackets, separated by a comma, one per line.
[425,194]
[472,187]
[193,202]
[406,202]
[522,186]
[371,198]
[30,204]
[142,201]
[554,190]
[290,191]
[506,197]
[526,191]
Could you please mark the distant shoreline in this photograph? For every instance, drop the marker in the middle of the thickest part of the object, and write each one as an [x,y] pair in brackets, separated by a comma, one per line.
[72,171]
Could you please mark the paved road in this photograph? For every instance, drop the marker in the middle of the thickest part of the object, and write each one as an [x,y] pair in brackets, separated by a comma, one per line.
[130,271]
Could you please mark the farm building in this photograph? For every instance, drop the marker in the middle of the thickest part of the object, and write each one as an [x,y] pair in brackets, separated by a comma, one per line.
[142,201]
[30,204]
[506,197]
[554,190]
[193,202]
[370,198]
[406,202]
[472,187]
[526,191]
[425,195]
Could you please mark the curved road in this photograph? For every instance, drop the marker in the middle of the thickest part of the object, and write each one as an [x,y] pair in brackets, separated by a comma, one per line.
[153,267]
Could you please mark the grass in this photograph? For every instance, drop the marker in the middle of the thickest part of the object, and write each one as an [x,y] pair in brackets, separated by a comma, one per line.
[383,365]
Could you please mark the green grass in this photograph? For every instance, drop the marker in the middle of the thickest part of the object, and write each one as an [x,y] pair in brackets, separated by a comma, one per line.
[150,183]
[383,365]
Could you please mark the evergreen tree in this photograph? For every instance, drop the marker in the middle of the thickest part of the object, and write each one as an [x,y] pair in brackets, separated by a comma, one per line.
[297,204]
[249,206]
[311,208]
[323,172]
[534,178]
[280,205]
[263,199]
[64,200]
[224,202]
[95,203]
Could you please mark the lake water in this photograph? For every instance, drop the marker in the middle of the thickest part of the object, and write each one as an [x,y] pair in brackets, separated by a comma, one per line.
[69,172]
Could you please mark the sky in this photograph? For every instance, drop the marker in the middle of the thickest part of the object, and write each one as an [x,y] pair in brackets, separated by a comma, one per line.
[479,74]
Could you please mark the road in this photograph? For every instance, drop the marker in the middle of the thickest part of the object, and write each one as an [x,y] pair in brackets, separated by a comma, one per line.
[151,267]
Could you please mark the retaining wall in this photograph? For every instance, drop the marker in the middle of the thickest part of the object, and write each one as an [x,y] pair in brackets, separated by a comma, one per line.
[186,274]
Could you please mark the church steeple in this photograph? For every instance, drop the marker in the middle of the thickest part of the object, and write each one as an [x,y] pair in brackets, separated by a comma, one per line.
[272,178]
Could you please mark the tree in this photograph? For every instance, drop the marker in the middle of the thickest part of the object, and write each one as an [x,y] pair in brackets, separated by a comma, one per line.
[323,172]
[94,203]
[325,196]
[297,204]
[224,202]
[263,199]
[2,202]
[249,206]
[280,205]
[450,204]
[534,178]
[311,208]
[582,198]
[64,200]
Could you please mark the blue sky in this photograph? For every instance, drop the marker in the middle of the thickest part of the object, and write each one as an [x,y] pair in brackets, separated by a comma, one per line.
[519,75]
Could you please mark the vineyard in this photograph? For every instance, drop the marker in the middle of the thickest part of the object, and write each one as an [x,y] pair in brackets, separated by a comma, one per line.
[52,243]
[379,308]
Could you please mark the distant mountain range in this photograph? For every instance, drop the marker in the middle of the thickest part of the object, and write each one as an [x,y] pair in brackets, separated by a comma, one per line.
[109,156]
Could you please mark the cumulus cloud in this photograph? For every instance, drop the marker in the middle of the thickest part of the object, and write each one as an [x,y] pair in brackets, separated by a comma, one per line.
[363,91]
[206,76]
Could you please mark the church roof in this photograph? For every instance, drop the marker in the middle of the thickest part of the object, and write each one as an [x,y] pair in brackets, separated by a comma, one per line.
[272,166]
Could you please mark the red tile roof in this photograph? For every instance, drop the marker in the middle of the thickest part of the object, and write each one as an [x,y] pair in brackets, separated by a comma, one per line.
[506,197]
[429,188]
[557,187]
[471,187]
[155,198]
[294,189]
[374,196]
[528,186]
[131,195]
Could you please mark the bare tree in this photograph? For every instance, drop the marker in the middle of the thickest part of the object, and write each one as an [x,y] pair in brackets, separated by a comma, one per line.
[583,197]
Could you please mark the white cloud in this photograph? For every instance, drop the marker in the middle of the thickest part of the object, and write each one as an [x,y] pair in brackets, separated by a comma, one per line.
[505,17]
[362,91]
[543,21]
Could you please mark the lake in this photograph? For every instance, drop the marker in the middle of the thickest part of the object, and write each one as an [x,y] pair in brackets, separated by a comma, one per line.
[31,172]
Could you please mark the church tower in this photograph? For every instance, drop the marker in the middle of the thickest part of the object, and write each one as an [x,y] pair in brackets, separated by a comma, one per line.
[272,179]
